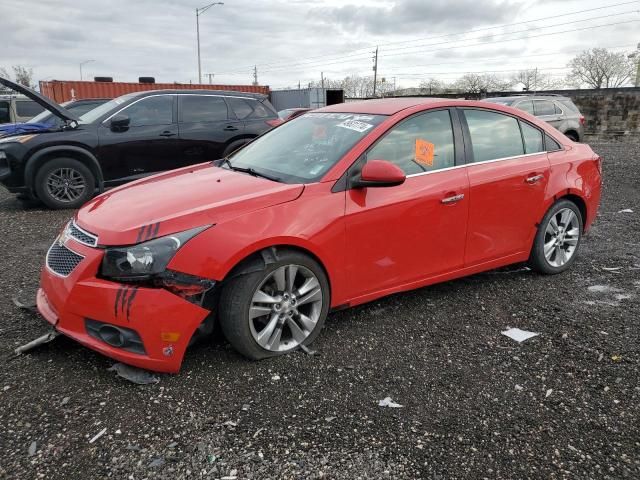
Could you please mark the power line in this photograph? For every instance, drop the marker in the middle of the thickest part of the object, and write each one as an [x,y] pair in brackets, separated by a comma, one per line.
[405,52]
[493,57]
[484,29]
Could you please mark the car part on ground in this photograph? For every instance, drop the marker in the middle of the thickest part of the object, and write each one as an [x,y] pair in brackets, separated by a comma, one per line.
[342,206]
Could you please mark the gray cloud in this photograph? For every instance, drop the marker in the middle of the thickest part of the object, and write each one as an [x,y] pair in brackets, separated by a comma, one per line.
[131,38]
[419,16]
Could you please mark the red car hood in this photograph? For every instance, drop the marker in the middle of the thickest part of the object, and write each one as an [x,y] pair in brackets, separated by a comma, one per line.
[178,200]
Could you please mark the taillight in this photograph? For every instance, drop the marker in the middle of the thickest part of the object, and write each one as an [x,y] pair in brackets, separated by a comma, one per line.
[274,122]
[582,120]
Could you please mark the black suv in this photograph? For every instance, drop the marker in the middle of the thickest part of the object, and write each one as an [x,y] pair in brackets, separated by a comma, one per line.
[127,138]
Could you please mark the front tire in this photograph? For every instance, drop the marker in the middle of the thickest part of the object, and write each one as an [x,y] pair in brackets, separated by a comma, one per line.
[275,310]
[557,241]
[64,183]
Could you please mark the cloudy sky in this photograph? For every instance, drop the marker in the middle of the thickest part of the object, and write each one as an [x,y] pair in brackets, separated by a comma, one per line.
[294,41]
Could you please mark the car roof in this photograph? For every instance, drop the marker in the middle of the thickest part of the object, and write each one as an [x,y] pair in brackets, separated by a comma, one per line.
[382,106]
[513,98]
[232,93]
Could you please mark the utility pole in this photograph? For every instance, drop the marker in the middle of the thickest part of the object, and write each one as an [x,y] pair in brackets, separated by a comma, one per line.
[322,80]
[83,63]
[255,75]
[636,56]
[210,75]
[375,71]
[200,11]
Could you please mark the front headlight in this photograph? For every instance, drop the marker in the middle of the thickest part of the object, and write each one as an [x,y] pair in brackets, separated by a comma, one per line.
[142,261]
[17,138]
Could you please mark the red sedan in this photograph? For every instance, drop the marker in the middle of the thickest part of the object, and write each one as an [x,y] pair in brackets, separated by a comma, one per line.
[346,204]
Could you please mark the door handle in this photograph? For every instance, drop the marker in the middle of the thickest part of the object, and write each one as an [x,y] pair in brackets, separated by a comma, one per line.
[534,179]
[454,199]
[167,133]
[230,128]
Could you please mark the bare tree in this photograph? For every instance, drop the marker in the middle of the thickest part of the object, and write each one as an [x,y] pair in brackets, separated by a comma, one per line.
[532,80]
[431,86]
[21,75]
[355,86]
[600,68]
[475,83]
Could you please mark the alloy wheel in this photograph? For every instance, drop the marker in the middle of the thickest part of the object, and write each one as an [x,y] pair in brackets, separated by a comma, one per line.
[65,184]
[561,237]
[285,308]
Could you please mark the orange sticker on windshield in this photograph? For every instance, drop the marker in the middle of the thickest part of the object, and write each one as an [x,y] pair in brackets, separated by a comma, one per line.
[424,152]
[319,132]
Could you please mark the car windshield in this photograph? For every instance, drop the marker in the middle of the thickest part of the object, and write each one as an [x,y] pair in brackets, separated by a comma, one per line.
[43,117]
[93,115]
[304,149]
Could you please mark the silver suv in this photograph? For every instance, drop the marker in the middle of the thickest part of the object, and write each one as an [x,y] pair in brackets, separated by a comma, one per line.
[17,108]
[556,110]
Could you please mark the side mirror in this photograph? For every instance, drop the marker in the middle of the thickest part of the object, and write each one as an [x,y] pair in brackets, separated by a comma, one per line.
[379,173]
[120,122]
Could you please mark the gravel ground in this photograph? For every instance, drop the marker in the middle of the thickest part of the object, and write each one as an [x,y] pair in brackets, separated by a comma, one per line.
[476,404]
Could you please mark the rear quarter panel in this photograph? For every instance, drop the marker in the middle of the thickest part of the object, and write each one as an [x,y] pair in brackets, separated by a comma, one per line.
[574,171]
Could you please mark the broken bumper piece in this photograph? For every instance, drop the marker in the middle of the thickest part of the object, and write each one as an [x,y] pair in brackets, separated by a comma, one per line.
[142,326]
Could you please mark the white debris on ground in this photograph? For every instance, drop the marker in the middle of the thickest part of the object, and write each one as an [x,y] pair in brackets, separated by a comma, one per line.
[519,335]
[387,402]
[625,210]
[602,289]
[98,435]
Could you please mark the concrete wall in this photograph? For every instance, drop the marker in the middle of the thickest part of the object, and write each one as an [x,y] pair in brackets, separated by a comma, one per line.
[610,113]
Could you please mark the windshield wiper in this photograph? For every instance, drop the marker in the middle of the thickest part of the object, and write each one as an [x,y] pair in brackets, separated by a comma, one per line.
[248,170]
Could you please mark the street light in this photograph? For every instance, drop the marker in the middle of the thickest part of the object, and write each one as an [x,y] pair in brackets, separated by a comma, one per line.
[83,63]
[200,11]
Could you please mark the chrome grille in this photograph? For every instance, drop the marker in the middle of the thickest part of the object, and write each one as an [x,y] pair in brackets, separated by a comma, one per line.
[82,236]
[61,260]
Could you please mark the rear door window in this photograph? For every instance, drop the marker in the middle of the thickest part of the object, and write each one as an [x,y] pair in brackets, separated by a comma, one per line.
[526,106]
[202,108]
[28,108]
[493,135]
[532,138]
[241,107]
[551,144]
[544,107]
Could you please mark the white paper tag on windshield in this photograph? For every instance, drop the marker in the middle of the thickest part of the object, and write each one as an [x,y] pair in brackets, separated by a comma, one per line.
[355,125]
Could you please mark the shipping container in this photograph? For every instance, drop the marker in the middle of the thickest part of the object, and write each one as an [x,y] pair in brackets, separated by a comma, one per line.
[305,98]
[64,90]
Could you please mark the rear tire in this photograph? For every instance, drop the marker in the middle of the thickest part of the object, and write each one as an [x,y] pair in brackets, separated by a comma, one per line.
[64,183]
[558,238]
[573,136]
[273,311]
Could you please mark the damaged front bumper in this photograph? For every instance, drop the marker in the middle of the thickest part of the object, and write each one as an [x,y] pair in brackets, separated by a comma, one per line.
[142,326]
